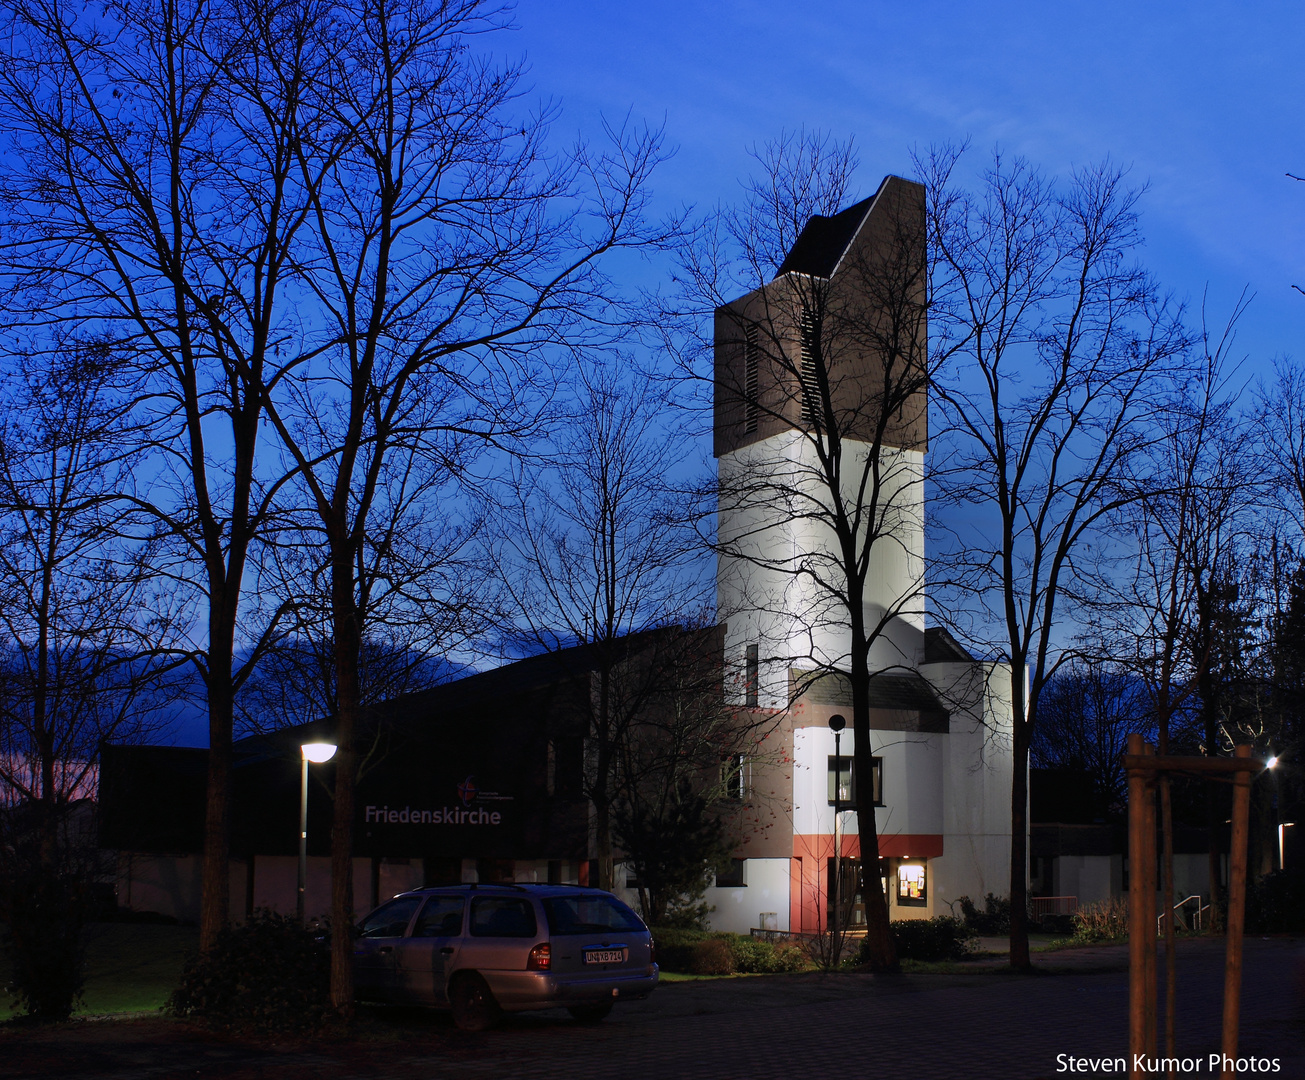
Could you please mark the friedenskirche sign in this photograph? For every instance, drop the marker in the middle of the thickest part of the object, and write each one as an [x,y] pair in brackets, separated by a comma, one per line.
[471,812]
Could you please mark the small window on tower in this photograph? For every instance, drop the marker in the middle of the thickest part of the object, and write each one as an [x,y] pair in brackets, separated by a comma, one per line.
[842,780]
[735,777]
[751,676]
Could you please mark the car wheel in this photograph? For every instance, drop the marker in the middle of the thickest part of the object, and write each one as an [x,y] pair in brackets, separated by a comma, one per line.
[474,1007]
[591,1014]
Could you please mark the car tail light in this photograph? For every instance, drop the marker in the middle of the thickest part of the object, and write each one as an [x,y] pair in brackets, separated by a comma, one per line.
[652,951]
[541,957]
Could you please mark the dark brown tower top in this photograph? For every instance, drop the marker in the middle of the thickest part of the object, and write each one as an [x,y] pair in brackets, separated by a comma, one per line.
[823,240]
[838,339]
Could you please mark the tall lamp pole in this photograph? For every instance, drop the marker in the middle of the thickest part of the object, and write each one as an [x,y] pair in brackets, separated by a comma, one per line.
[316,752]
[836,725]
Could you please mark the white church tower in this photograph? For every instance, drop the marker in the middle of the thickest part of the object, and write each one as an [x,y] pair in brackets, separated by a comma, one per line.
[801,379]
[821,431]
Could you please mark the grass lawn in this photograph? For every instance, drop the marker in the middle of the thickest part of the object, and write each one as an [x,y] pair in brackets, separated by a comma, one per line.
[665,976]
[130,967]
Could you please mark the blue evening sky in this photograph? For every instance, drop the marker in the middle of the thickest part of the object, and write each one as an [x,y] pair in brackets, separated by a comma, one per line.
[1202,101]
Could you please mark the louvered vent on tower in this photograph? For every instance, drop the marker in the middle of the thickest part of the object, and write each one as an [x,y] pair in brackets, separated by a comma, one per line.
[751,380]
[808,372]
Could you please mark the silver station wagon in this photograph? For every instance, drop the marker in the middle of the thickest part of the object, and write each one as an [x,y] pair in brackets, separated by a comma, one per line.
[487,949]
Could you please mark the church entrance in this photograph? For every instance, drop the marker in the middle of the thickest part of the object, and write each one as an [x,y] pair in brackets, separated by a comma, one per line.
[847,889]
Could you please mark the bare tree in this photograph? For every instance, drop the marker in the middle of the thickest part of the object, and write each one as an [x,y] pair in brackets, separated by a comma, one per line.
[83,645]
[599,550]
[1192,493]
[679,781]
[159,168]
[1052,341]
[820,381]
[449,251]
[82,648]
[1088,711]
[422,588]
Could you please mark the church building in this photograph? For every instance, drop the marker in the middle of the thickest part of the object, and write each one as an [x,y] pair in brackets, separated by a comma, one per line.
[821,432]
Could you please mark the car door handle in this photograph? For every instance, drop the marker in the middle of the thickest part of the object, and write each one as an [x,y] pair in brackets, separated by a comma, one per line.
[447,950]
[385,949]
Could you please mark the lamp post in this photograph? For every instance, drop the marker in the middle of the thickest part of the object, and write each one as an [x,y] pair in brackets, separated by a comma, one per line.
[836,725]
[316,752]
[1272,766]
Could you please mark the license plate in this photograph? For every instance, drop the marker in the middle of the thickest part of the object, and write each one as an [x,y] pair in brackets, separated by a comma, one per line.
[604,956]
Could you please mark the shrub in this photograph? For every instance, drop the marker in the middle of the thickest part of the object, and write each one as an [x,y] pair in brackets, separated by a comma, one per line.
[678,950]
[713,957]
[753,956]
[268,976]
[675,947]
[940,938]
[1105,920]
[993,919]
[46,912]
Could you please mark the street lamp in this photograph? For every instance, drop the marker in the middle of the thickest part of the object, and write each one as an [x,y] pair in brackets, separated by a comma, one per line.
[836,725]
[316,752]
[1272,764]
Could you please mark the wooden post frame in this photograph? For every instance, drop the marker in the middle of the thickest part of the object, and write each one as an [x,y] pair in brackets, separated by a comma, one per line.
[1142,766]
[1141,946]
[1232,970]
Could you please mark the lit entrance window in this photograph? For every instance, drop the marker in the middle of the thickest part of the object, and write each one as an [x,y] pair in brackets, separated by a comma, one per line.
[912,885]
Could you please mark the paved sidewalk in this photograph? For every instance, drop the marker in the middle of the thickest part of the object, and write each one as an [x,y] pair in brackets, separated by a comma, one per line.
[923,1027]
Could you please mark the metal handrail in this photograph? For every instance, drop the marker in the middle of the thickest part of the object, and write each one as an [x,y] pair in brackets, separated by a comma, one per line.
[1200,910]
[1052,905]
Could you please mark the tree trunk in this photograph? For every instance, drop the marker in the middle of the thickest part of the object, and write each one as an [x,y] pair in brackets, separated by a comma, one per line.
[215,899]
[602,781]
[1019,844]
[348,705]
[1171,958]
[880,952]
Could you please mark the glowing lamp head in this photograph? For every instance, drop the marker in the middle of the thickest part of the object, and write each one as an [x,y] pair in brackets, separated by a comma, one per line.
[317,752]
[1272,763]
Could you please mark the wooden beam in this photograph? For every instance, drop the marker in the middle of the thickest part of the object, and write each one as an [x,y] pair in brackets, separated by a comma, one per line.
[1170,763]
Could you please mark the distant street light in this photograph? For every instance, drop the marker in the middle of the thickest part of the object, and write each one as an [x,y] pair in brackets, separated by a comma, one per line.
[316,752]
[1272,763]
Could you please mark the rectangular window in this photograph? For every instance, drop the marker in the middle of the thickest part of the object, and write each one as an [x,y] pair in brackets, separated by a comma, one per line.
[843,768]
[751,377]
[575,915]
[912,884]
[731,877]
[752,677]
[808,367]
[736,777]
[565,767]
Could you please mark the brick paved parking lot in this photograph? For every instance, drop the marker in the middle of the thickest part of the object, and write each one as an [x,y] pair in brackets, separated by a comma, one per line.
[922,1026]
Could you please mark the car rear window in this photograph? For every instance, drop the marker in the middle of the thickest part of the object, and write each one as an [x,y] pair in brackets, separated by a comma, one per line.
[502,916]
[584,914]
